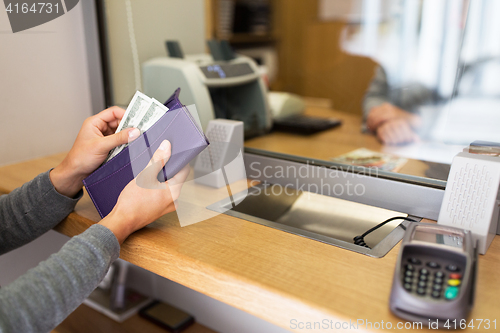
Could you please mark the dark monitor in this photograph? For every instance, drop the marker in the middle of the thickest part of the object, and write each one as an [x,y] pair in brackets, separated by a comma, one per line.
[174,49]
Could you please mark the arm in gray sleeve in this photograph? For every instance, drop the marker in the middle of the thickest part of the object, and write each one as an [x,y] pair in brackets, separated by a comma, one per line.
[30,211]
[377,93]
[43,297]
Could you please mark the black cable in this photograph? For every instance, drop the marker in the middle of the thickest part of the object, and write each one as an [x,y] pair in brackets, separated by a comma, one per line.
[360,240]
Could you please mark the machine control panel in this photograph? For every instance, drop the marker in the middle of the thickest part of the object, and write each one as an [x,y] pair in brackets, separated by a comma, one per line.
[222,71]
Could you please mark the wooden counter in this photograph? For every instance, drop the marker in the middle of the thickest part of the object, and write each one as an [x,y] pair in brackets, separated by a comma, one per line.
[277,276]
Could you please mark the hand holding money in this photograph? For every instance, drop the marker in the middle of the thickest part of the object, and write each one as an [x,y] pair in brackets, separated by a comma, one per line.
[96,137]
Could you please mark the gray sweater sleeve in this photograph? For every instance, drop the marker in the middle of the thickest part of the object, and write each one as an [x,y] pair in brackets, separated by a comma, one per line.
[40,299]
[43,297]
[377,93]
[30,211]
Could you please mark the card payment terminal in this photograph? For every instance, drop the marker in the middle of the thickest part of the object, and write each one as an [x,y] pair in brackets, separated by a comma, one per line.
[435,275]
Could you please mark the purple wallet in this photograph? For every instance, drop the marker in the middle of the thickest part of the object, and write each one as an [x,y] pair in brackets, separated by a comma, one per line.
[177,126]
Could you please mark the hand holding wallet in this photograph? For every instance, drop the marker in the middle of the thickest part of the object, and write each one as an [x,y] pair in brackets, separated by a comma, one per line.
[177,126]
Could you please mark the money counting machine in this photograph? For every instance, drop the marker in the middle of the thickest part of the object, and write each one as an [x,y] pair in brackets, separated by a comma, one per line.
[229,88]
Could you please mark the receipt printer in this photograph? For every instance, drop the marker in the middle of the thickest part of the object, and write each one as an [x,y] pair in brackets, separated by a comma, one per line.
[228,89]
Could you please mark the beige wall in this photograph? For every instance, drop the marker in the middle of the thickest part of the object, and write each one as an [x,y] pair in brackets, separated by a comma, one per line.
[154,22]
[44,87]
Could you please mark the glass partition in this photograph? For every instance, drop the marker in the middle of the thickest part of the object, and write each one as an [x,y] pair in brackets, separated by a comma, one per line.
[428,72]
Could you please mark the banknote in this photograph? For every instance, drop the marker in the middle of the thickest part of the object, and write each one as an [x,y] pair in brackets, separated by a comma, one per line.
[135,111]
[133,115]
[154,112]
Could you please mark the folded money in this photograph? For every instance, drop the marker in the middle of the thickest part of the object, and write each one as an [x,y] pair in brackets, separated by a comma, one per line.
[142,113]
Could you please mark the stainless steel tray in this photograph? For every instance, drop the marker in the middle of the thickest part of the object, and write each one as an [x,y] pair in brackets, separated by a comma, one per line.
[326,219]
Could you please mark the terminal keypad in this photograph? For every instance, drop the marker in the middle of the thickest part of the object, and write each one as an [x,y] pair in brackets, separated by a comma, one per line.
[432,279]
